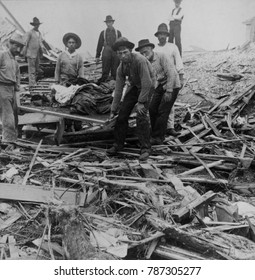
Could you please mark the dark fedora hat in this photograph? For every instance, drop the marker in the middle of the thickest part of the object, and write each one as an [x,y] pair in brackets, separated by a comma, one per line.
[122,42]
[109,18]
[144,43]
[162,28]
[35,21]
[69,35]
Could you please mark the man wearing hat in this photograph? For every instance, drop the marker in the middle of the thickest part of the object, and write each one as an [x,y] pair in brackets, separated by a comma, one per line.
[69,63]
[33,50]
[175,25]
[9,84]
[110,60]
[137,70]
[171,51]
[167,86]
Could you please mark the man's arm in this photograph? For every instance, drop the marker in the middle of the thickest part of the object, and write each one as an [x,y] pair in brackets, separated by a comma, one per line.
[27,39]
[100,44]
[17,85]
[81,67]
[57,70]
[169,69]
[119,34]
[179,16]
[146,82]
[120,83]
[178,60]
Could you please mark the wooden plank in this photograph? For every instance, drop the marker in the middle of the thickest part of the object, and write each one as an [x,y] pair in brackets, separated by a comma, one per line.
[14,252]
[198,202]
[170,252]
[37,118]
[31,163]
[10,220]
[63,115]
[213,126]
[200,168]
[38,194]
[204,164]
[178,142]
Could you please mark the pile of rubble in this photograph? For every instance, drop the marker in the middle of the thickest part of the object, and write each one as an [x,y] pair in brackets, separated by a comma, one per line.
[193,199]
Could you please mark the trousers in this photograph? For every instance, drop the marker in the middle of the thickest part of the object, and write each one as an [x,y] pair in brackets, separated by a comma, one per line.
[33,69]
[110,63]
[170,121]
[8,113]
[175,34]
[159,111]
[142,121]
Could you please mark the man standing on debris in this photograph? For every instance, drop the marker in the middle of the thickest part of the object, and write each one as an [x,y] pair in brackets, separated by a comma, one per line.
[137,70]
[9,84]
[175,25]
[171,51]
[110,60]
[69,63]
[33,50]
[167,87]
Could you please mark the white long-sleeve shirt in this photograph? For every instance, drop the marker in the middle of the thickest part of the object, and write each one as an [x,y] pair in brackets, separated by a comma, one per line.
[172,51]
[177,16]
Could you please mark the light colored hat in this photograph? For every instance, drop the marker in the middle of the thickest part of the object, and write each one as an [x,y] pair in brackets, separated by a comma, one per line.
[17,38]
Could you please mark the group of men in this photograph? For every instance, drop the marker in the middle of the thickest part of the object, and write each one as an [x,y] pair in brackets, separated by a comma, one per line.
[154,78]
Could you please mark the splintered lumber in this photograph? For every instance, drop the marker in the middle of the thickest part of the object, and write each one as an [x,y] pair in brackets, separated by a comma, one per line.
[170,252]
[10,221]
[208,157]
[217,246]
[185,211]
[76,241]
[204,180]
[213,126]
[32,163]
[38,194]
[200,168]
[63,115]
[204,164]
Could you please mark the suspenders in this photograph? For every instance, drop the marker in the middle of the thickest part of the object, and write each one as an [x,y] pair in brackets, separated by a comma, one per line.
[116,32]
[179,9]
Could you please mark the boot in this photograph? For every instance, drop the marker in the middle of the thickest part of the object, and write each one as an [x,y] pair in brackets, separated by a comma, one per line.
[172,132]
[113,150]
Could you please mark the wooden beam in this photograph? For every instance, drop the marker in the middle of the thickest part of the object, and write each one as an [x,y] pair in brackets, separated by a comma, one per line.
[63,115]
[38,194]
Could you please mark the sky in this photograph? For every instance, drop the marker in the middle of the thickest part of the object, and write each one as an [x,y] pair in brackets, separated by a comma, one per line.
[208,24]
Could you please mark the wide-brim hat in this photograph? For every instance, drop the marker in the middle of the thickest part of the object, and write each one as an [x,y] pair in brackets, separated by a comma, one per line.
[144,43]
[162,28]
[109,18]
[17,39]
[35,21]
[178,1]
[122,42]
[69,35]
